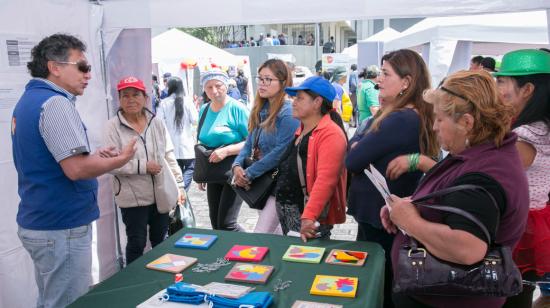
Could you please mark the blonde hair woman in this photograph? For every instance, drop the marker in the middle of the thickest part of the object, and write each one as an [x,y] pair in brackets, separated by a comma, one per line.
[472,124]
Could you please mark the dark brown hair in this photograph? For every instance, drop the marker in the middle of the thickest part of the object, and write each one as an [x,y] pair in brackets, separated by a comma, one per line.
[405,63]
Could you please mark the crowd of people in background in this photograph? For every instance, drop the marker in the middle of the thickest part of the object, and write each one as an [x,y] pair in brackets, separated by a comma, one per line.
[486,127]
[269,39]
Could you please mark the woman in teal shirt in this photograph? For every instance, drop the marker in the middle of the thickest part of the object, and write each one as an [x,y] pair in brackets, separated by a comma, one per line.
[225,128]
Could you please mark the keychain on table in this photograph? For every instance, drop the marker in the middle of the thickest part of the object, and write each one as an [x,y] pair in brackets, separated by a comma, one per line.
[211,267]
[281,285]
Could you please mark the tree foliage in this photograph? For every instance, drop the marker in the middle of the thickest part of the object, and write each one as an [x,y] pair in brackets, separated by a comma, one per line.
[216,36]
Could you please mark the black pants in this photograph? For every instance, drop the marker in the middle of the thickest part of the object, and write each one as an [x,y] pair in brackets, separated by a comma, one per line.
[136,220]
[355,114]
[366,232]
[404,301]
[525,298]
[224,206]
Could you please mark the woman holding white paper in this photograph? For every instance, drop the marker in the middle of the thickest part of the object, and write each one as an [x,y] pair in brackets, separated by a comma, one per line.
[403,127]
[473,125]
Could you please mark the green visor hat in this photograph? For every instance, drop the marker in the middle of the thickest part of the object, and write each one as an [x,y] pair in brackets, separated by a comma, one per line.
[524,62]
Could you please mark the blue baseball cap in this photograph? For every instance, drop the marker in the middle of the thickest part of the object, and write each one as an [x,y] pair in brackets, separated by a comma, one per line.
[166,75]
[315,84]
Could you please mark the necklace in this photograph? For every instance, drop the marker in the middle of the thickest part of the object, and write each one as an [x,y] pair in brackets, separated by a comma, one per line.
[302,135]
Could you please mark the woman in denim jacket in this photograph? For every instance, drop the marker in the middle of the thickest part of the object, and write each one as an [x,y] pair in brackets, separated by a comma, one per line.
[271,118]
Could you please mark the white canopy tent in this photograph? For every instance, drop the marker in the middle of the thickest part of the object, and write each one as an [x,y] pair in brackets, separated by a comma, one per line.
[170,48]
[371,50]
[447,43]
[166,13]
[29,21]
[385,35]
[350,51]
[118,39]
[175,45]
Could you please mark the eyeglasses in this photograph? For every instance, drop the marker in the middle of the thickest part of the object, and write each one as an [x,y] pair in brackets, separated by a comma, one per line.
[82,66]
[266,81]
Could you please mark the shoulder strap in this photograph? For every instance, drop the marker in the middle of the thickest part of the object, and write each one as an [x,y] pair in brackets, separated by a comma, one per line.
[256,141]
[301,170]
[421,202]
[201,121]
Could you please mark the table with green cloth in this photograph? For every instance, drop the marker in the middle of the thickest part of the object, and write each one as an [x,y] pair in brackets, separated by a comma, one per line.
[135,283]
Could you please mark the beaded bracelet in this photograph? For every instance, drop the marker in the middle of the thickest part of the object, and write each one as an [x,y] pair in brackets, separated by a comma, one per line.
[413,159]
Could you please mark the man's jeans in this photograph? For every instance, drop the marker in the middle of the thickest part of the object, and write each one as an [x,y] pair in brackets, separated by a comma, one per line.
[187,167]
[62,263]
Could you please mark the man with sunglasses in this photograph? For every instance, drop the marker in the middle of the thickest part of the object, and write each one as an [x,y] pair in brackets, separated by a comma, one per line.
[56,170]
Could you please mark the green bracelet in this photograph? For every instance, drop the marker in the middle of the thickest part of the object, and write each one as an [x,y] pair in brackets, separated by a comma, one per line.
[413,159]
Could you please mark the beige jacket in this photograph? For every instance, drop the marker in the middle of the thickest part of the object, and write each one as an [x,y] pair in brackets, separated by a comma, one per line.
[132,185]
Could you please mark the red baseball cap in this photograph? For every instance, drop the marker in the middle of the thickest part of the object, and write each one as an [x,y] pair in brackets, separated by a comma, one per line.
[130,82]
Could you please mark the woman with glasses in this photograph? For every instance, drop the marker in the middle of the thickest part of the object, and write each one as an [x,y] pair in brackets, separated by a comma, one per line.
[311,188]
[402,127]
[223,129]
[472,124]
[523,82]
[271,129]
[179,115]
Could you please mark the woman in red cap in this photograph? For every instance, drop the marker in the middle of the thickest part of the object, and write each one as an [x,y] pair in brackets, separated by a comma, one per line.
[133,184]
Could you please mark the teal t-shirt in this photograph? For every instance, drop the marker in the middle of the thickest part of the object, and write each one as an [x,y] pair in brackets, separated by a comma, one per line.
[367,96]
[228,125]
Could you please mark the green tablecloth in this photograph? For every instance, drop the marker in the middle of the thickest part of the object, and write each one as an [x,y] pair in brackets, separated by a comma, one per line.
[135,283]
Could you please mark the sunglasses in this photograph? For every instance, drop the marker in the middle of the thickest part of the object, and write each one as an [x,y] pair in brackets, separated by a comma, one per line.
[82,66]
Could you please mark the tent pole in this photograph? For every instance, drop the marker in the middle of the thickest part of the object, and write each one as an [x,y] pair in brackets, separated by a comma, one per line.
[317,41]
[103,59]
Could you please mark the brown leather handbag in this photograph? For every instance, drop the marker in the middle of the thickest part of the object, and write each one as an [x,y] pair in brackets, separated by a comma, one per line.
[420,273]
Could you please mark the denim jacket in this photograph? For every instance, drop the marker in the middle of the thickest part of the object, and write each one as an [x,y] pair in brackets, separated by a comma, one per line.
[272,144]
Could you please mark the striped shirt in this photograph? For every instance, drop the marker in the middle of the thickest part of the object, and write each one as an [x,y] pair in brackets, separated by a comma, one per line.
[61,127]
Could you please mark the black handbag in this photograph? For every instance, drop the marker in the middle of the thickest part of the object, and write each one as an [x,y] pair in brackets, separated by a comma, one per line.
[261,187]
[420,273]
[205,171]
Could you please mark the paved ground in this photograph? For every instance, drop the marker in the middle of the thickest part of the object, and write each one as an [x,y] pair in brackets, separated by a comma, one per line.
[248,217]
